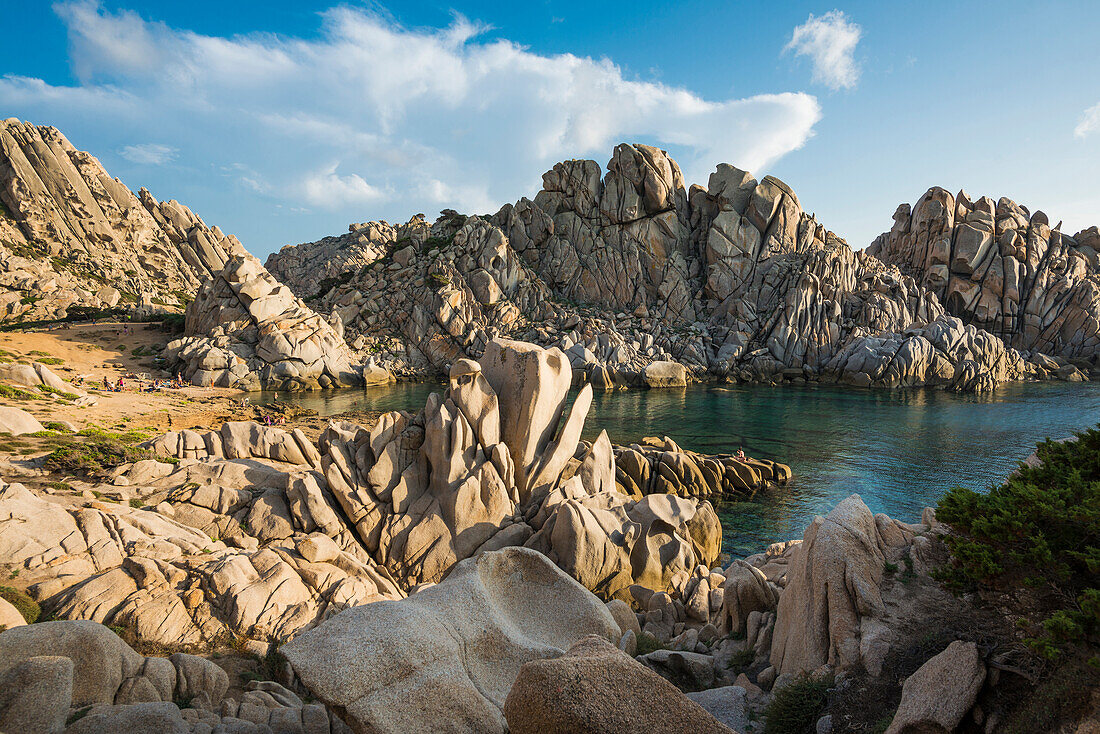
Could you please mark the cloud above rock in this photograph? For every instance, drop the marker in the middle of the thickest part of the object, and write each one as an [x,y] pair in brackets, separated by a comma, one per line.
[830,44]
[374,118]
[1089,122]
[152,154]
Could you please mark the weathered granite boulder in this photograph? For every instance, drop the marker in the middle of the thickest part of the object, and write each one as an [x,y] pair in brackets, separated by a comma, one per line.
[665,374]
[445,658]
[35,695]
[941,692]
[17,422]
[595,688]
[832,590]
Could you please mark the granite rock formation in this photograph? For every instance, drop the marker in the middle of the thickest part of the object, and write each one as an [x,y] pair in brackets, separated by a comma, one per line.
[259,532]
[245,329]
[70,235]
[445,658]
[633,268]
[1002,268]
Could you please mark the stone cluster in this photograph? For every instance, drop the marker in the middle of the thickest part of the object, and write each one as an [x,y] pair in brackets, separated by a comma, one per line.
[245,329]
[70,235]
[635,269]
[1002,268]
[258,532]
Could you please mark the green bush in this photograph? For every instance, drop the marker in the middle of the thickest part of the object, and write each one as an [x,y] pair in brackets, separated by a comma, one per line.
[49,390]
[795,708]
[99,451]
[1040,529]
[23,603]
[17,393]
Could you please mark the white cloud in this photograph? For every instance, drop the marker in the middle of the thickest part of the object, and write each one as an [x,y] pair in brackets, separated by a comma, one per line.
[328,190]
[830,42]
[151,154]
[410,118]
[1090,122]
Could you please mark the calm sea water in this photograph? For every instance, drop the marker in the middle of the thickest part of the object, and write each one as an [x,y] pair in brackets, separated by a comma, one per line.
[900,450]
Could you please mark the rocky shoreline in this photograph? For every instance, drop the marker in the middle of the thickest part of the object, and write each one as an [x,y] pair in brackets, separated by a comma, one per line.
[479,543]
[639,278]
[172,564]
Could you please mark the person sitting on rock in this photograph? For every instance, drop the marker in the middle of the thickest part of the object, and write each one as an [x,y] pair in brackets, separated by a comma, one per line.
[741,454]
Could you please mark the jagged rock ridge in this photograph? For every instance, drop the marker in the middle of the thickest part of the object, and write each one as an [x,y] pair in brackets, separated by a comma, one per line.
[70,235]
[633,268]
[1002,268]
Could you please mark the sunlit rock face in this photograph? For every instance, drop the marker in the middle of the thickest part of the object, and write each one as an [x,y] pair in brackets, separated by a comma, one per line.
[245,329]
[70,235]
[1002,268]
[631,268]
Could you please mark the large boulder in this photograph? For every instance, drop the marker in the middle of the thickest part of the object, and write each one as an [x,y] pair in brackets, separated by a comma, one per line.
[665,374]
[17,422]
[595,688]
[833,588]
[101,661]
[941,692]
[35,695]
[445,658]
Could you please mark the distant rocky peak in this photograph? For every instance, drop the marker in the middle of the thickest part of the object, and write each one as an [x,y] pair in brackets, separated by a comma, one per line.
[74,236]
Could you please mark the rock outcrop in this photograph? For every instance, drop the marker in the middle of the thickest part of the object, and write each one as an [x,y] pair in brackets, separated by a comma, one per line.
[1002,268]
[245,329]
[445,658]
[70,235]
[941,692]
[81,678]
[827,612]
[595,688]
[259,532]
[169,581]
[632,270]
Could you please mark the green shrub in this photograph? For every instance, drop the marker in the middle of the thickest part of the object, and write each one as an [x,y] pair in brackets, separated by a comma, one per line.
[647,643]
[796,707]
[51,360]
[49,390]
[1040,529]
[98,452]
[23,603]
[17,393]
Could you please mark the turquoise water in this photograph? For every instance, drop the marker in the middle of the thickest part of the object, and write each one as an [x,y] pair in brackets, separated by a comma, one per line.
[900,450]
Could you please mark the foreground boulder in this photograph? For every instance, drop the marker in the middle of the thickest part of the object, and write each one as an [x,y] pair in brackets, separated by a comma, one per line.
[35,695]
[594,688]
[82,672]
[832,592]
[445,658]
[941,692]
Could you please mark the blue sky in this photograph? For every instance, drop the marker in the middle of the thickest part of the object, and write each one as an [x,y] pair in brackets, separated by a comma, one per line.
[282,122]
